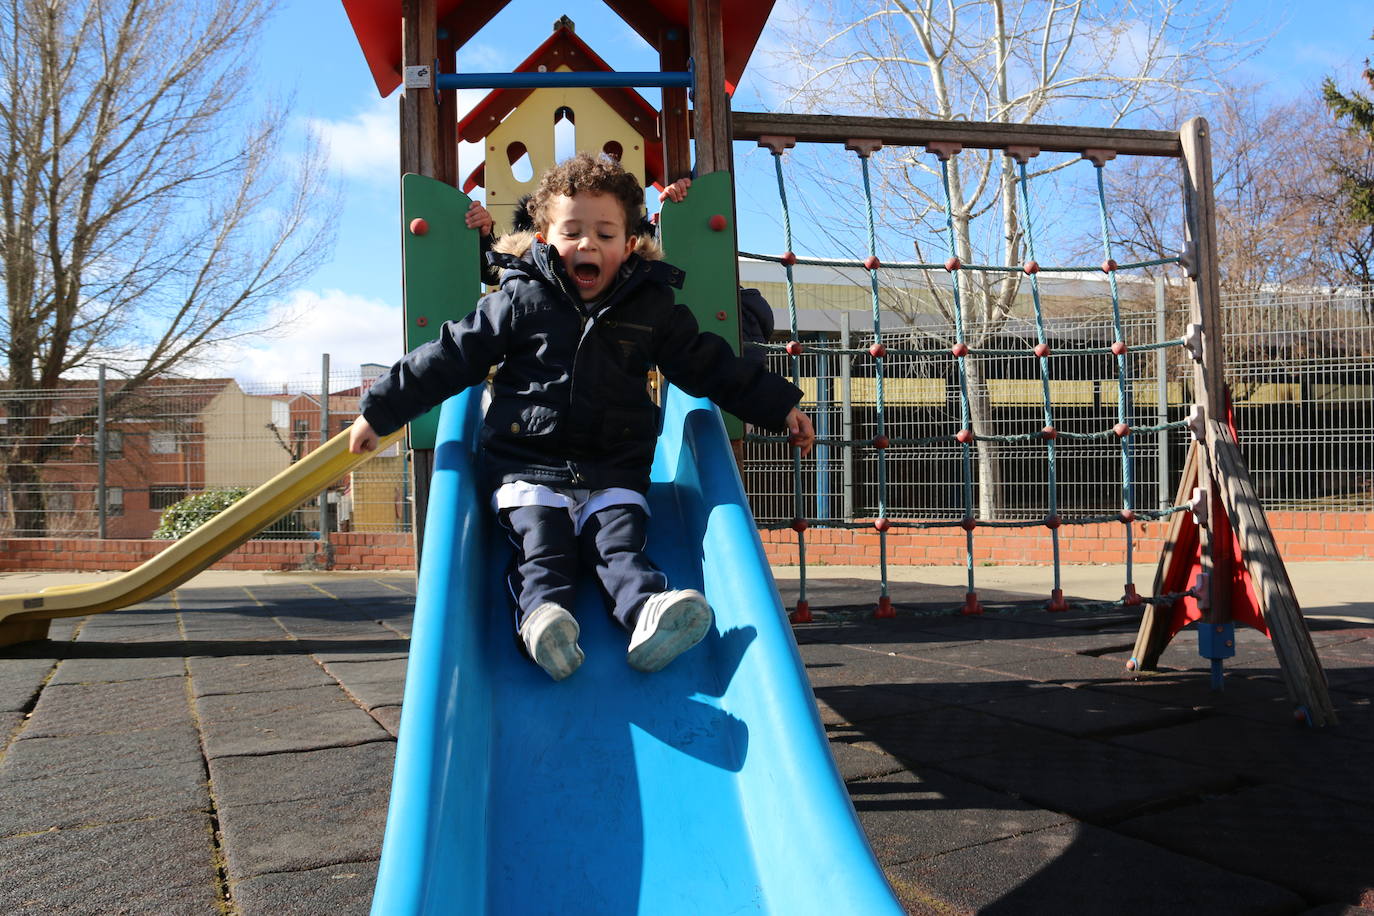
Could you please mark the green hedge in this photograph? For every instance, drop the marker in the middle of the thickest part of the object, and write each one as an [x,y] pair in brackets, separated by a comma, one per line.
[185,516]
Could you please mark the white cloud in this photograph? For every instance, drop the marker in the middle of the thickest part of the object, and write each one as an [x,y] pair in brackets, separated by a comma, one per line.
[352,329]
[364,145]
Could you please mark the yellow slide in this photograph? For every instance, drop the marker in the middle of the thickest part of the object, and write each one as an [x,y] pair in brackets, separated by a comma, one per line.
[25,617]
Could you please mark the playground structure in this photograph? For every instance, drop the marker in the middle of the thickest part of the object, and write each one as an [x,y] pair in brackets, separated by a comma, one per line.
[726,757]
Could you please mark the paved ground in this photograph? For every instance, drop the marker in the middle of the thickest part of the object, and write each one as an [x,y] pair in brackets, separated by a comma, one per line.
[228,748]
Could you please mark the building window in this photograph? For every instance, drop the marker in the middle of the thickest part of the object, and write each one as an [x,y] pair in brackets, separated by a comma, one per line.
[60,501]
[114,444]
[162,497]
[162,442]
[114,500]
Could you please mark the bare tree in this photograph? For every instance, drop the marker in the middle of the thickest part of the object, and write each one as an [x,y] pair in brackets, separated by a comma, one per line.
[146,211]
[1070,61]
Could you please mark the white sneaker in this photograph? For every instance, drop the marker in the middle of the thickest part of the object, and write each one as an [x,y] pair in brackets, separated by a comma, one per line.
[550,635]
[669,624]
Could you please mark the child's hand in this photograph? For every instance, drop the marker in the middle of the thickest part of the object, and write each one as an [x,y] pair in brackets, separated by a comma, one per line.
[800,432]
[361,437]
[478,218]
[676,192]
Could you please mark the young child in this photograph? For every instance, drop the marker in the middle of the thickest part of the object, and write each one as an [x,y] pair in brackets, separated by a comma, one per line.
[584,311]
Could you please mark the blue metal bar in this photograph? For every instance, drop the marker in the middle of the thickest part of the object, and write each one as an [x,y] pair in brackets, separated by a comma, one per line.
[564,79]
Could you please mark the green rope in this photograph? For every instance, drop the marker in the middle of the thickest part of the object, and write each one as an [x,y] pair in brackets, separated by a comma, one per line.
[877,372]
[1123,374]
[964,415]
[795,362]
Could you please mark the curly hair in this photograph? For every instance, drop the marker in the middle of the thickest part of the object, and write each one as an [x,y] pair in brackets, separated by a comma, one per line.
[590,174]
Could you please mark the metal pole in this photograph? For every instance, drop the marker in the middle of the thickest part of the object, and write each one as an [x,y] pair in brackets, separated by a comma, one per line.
[1162,413]
[846,418]
[324,437]
[102,508]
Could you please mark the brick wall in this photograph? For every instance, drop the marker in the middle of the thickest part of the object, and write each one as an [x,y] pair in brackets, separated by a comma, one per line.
[1300,535]
[360,551]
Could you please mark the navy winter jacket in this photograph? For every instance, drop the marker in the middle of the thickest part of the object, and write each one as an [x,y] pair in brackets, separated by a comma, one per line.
[570,406]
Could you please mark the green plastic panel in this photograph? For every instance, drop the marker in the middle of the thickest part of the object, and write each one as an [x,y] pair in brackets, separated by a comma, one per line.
[441,274]
[699,237]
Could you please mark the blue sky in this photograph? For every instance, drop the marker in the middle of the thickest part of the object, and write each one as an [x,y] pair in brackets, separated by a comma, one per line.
[351,306]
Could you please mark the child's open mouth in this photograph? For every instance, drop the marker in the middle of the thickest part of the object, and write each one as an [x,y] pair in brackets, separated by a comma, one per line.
[586,275]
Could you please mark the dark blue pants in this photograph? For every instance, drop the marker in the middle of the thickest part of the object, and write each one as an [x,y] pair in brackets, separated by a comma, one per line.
[549,555]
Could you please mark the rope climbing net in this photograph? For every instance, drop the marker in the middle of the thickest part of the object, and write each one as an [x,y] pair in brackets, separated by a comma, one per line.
[963,438]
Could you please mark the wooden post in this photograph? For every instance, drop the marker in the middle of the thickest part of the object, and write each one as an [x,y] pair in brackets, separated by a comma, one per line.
[674,119]
[1298,661]
[1153,636]
[420,154]
[1209,380]
[710,108]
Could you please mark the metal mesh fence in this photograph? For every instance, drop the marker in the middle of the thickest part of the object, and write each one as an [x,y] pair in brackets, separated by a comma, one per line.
[1301,370]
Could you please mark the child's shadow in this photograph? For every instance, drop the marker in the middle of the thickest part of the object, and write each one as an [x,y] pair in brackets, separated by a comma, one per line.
[612,778]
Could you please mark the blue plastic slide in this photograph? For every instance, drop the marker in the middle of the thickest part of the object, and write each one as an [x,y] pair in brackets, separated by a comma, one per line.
[707,788]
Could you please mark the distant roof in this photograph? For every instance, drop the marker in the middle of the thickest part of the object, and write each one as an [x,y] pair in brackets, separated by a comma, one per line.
[377,25]
[564,48]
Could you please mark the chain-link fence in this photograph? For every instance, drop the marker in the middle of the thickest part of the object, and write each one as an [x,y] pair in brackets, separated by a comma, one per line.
[1301,370]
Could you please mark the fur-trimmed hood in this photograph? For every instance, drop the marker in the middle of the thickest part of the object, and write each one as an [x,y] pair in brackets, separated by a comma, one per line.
[518,244]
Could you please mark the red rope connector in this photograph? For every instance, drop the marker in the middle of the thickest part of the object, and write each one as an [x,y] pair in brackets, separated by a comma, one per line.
[1041,350]
[799,525]
[960,349]
[884,609]
[1049,432]
[1052,522]
[881,442]
[882,524]
[794,348]
[1119,347]
[878,350]
[964,436]
[1122,430]
[953,264]
[1127,516]
[802,614]
[969,523]
[1109,265]
[788,258]
[1032,267]
[1131,598]
[971,605]
[872,263]
[1057,602]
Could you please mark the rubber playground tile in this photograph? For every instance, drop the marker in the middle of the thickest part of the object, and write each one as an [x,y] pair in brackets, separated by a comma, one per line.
[223,629]
[366,671]
[985,653]
[81,754]
[1084,713]
[303,834]
[909,816]
[1069,669]
[1317,846]
[339,890]
[857,702]
[163,865]
[112,669]
[1081,869]
[1178,688]
[20,681]
[97,709]
[233,674]
[1321,760]
[324,627]
[940,682]
[38,804]
[1086,778]
[388,717]
[943,733]
[323,773]
[857,760]
[282,720]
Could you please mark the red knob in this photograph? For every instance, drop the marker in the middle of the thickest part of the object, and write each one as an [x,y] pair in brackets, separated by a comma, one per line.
[960,349]
[1049,432]
[1032,267]
[965,436]
[880,442]
[871,262]
[418,226]
[882,524]
[1119,347]
[1108,266]
[788,258]
[1052,522]
[969,523]
[794,348]
[799,525]
[1122,430]
[717,223]
[953,264]
[877,351]
[1042,350]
